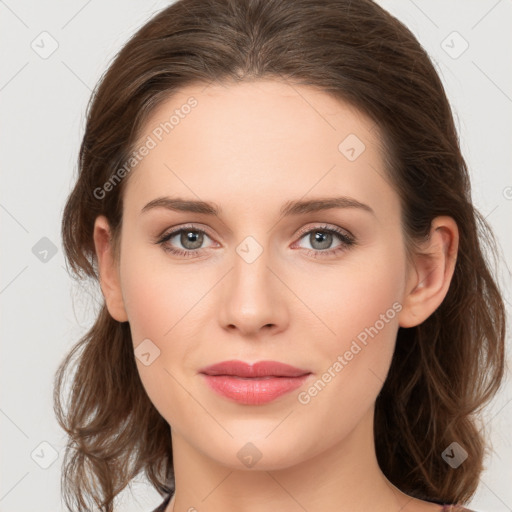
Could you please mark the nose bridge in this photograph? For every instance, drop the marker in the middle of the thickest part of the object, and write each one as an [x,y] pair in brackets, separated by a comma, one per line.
[251,297]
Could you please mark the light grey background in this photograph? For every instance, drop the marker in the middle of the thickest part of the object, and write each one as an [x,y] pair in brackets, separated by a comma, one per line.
[43,103]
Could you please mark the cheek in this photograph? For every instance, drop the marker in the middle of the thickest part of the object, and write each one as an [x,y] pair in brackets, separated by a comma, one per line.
[157,294]
[157,299]
[359,304]
[164,304]
[353,295]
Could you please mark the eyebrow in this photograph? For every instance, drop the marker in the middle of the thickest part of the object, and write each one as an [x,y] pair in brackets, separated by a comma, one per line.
[297,207]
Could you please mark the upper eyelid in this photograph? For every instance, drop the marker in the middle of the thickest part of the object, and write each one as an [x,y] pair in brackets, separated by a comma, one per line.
[179,229]
[326,227]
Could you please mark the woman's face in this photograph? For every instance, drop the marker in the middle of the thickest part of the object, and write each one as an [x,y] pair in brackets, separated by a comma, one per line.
[251,283]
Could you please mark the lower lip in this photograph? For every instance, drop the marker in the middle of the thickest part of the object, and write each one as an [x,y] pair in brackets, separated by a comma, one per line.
[253,391]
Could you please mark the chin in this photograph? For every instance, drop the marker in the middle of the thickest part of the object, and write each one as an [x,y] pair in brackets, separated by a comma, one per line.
[258,454]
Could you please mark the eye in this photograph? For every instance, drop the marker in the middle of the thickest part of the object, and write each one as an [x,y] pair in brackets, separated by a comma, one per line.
[190,238]
[321,239]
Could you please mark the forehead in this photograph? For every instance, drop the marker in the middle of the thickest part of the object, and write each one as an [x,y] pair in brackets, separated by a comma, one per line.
[262,109]
[263,139]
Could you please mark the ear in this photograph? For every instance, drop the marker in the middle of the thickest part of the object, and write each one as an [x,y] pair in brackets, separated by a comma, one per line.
[108,269]
[429,279]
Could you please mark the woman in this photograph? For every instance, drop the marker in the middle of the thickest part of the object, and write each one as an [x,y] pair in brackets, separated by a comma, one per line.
[298,311]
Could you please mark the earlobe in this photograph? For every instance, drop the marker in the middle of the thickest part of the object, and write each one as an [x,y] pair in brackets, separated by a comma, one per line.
[108,270]
[431,276]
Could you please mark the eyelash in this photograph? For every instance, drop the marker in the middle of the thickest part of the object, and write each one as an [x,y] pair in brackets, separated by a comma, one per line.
[347,241]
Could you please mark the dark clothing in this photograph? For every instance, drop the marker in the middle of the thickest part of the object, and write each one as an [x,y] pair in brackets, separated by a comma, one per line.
[161,507]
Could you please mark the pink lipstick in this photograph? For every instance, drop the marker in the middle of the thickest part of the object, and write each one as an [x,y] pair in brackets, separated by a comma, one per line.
[255,384]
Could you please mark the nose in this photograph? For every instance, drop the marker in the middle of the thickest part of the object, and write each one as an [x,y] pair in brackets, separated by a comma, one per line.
[253,297]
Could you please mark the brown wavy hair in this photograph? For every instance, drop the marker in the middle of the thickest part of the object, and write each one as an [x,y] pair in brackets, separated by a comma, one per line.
[443,371]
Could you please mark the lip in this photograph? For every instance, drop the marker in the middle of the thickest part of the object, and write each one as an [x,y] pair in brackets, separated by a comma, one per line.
[260,369]
[255,384]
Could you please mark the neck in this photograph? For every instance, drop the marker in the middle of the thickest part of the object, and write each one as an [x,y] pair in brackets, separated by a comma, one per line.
[346,477]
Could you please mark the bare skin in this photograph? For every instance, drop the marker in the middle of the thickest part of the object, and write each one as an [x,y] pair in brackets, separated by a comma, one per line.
[250,148]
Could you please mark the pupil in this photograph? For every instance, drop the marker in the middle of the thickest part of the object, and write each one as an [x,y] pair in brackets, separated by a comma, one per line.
[191,237]
[324,239]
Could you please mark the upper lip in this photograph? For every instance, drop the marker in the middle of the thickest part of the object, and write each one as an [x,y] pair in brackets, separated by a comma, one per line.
[259,369]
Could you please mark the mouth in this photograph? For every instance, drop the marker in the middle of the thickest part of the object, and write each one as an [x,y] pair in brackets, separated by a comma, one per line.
[260,369]
[255,384]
